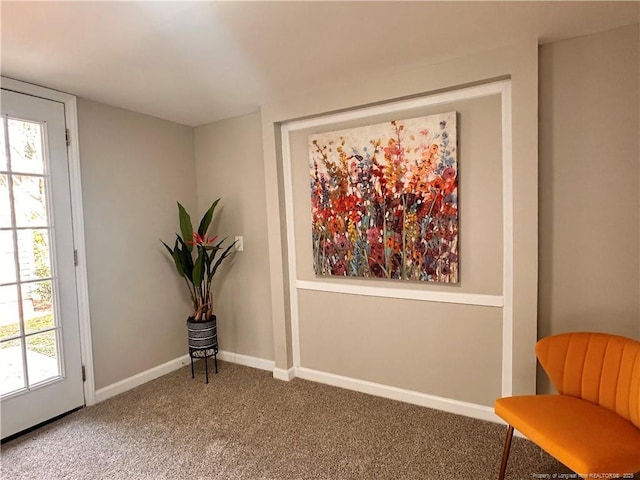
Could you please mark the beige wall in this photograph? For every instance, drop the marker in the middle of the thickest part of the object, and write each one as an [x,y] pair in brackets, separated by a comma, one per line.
[589,174]
[467,341]
[229,165]
[436,348]
[134,169]
[589,166]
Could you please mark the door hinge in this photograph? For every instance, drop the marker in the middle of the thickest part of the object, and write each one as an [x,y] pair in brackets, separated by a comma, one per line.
[75,257]
[67,137]
[84,374]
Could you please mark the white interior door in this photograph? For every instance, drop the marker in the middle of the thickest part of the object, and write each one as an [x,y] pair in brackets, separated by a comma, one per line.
[40,360]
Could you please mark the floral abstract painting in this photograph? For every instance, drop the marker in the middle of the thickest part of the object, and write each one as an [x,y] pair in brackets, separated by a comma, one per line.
[384,200]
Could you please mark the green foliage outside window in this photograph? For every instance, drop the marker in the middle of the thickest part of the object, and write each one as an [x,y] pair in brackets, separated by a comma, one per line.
[42,269]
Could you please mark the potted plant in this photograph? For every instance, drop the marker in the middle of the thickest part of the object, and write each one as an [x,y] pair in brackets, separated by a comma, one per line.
[197,258]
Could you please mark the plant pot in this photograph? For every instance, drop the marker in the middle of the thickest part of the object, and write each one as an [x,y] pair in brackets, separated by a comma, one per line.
[202,335]
[203,342]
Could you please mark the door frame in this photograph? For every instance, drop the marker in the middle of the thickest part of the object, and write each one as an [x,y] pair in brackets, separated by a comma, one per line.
[73,155]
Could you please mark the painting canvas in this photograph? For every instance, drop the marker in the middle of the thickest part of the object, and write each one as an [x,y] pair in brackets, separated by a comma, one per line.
[384,200]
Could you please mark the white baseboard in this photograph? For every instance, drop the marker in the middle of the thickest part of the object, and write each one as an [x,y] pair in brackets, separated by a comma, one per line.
[168,367]
[140,378]
[473,410]
[282,374]
[246,360]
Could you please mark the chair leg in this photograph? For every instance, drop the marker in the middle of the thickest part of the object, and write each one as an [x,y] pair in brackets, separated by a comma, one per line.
[505,453]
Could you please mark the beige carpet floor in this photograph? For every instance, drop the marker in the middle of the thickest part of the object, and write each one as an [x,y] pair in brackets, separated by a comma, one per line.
[246,425]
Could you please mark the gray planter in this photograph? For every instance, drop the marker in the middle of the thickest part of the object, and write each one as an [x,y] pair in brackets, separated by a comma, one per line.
[203,335]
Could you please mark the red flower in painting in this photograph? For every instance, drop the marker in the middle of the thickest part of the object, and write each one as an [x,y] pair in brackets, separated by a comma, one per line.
[393,150]
[376,253]
[376,270]
[341,242]
[373,236]
[437,184]
[449,173]
[449,210]
[339,268]
[350,207]
[336,225]
[328,247]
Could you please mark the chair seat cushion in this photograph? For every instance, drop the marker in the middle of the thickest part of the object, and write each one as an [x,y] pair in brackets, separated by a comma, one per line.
[585,437]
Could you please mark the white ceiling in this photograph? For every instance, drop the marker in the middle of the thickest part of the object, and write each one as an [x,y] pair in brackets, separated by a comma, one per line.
[198,62]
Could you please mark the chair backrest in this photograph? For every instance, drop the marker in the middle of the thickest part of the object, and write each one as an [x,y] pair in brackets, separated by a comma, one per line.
[600,368]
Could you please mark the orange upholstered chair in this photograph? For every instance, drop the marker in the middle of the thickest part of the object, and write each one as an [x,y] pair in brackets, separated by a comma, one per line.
[593,425]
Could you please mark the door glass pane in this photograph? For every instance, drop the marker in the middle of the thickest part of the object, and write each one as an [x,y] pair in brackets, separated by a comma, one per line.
[30,201]
[11,367]
[33,246]
[9,316]
[37,306]
[7,262]
[3,151]
[25,140]
[5,207]
[42,356]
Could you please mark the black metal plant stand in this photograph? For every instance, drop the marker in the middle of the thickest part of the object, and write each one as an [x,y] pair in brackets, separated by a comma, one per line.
[203,342]
[204,353]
